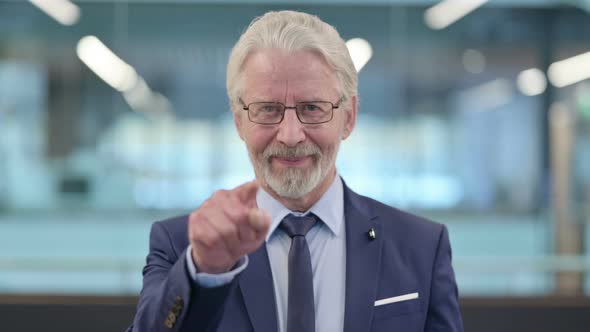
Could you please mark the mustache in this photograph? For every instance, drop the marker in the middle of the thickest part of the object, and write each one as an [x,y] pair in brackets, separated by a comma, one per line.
[282,151]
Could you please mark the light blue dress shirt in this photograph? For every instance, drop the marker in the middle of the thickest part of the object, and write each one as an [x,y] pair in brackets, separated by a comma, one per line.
[327,246]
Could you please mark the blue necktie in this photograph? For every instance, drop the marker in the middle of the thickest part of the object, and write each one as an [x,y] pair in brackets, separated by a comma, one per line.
[301,308]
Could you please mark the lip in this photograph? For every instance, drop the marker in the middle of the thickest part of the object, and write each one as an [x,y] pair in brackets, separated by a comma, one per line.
[292,162]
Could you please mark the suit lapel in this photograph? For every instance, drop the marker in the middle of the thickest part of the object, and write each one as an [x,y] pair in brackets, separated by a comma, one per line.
[257,288]
[363,259]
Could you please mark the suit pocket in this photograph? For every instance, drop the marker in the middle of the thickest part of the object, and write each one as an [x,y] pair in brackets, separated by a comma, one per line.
[398,308]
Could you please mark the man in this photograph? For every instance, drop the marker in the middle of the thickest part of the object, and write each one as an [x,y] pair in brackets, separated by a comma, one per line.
[296,250]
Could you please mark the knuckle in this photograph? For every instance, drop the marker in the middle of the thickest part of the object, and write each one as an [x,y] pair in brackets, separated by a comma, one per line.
[197,214]
[195,232]
[194,216]
[208,239]
[229,230]
[219,194]
[196,219]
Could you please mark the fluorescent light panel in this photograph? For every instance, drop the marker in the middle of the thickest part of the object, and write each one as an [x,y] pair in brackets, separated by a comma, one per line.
[106,64]
[120,75]
[360,51]
[448,12]
[142,99]
[570,71]
[139,96]
[63,11]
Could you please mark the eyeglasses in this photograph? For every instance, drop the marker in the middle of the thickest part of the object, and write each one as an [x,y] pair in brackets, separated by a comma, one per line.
[308,112]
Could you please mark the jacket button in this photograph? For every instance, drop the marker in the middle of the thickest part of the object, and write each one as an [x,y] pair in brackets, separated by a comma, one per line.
[168,324]
[172,317]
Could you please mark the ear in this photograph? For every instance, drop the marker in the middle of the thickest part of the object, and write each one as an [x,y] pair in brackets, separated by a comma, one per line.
[238,122]
[350,118]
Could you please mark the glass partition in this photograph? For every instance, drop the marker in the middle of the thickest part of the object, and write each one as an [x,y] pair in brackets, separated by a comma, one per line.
[458,124]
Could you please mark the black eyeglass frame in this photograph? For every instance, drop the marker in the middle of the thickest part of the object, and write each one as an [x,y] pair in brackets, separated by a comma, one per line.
[285,108]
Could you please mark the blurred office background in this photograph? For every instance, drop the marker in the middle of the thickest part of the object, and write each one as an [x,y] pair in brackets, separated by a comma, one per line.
[113,114]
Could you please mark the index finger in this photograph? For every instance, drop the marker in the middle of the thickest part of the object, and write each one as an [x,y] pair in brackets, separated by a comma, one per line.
[259,220]
[246,192]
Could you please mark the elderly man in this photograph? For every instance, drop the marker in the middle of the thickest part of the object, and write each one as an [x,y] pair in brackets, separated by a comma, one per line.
[296,250]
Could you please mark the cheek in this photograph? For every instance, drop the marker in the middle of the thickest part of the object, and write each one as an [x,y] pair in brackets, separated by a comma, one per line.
[257,139]
[325,138]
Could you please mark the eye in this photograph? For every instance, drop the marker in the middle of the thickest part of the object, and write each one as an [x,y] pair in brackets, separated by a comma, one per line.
[310,108]
[271,108]
[268,108]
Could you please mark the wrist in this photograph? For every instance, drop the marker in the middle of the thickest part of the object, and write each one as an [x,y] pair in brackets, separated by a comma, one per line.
[210,268]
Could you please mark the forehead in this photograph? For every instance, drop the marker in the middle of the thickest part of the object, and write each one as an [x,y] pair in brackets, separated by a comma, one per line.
[271,73]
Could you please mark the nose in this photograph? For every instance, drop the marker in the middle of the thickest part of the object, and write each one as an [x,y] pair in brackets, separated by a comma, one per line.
[290,129]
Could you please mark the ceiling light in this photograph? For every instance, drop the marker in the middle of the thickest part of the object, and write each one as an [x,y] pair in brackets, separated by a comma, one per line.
[106,64]
[63,11]
[360,51]
[448,12]
[570,71]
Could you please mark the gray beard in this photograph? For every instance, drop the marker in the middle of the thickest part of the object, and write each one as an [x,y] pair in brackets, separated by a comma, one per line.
[293,182]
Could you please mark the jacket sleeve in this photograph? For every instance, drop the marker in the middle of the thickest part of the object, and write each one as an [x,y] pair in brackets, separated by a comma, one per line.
[170,300]
[443,308]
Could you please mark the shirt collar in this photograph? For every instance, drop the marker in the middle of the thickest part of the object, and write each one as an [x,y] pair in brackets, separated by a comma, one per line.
[329,208]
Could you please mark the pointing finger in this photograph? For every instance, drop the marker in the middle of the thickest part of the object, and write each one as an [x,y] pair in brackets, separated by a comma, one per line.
[247,193]
[259,220]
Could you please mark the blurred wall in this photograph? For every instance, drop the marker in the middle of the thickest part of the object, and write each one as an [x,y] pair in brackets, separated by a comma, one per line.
[461,124]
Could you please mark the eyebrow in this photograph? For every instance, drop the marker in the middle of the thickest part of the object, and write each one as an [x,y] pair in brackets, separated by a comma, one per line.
[297,100]
[258,99]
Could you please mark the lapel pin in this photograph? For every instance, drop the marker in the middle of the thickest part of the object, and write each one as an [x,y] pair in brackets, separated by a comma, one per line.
[372,234]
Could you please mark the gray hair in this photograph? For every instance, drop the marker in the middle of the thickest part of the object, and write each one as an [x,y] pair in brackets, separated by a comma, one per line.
[292,31]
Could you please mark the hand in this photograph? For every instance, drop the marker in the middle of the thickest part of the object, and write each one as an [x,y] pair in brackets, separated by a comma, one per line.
[226,227]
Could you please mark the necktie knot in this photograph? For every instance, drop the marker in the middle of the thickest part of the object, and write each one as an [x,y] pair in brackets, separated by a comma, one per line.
[298,226]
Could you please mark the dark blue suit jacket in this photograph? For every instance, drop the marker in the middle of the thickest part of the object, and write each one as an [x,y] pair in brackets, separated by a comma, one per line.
[409,255]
